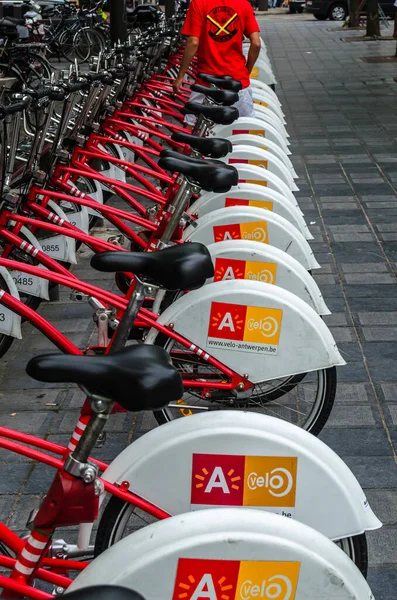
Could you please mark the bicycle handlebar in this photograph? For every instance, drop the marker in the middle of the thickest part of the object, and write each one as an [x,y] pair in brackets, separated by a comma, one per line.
[13,108]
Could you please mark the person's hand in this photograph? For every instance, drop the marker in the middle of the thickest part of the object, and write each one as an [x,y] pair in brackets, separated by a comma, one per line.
[177,84]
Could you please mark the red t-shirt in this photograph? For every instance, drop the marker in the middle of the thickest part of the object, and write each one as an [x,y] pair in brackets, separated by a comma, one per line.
[221,25]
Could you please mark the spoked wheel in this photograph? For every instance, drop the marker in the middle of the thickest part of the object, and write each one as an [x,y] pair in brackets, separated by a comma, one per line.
[305,400]
[87,42]
[120,519]
[5,340]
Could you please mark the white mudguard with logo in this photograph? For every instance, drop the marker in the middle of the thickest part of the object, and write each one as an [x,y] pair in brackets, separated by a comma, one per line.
[257,141]
[186,465]
[261,158]
[230,554]
[252,224]
[60,247]
[261,176]
[251,194]
[30,284]
[263,99]
[266,89]
[264,114]
[263,72]
[256,329]
[251,126]
[240,259]
[10,322]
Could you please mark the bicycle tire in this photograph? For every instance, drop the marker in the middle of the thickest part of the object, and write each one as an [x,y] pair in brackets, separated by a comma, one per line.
[5,340]
[65,44]
[267,393]
[113,526]
[87,43]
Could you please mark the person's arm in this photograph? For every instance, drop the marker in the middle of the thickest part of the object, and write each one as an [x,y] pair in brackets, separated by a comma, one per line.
[254,50]
[191,48]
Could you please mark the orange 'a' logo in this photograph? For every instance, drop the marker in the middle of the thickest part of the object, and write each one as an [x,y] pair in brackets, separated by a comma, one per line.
[227,232]
[227,321]
[230,268]
[217,480]
[266,204]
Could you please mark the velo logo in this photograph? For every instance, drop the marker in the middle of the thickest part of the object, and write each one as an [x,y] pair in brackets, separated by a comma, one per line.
[199,579]
[267,205]
[254,329]
[267,482]
[260,132]
[229,268]
[255,231]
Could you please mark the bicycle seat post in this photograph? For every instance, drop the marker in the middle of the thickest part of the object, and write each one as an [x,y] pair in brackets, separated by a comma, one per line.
[177,208]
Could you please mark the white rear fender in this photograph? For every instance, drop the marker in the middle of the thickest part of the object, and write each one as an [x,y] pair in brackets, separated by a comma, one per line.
[264,159]
[256,84]
[260,176]
[324,493]
[256,329]
[10,322]
[32,284]
[252,126]
[256,141]
[240,259]
[263,72]
[59,247]
[263,113]
[263,99]
[250,194]
[252,224]
[112,171]
[231,554]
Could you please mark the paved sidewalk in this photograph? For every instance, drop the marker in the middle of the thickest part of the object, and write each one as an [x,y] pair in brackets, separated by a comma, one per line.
[342,118]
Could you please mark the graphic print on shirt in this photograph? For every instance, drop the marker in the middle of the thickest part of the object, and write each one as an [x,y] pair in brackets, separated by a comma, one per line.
[222,23]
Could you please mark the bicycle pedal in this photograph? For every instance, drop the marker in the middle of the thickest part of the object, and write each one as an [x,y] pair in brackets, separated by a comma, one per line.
[118,240]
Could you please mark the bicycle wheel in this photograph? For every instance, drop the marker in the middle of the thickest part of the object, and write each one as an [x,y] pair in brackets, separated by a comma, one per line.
[87,42]
[120,519]
[65,45]
[5,340]
[306,400]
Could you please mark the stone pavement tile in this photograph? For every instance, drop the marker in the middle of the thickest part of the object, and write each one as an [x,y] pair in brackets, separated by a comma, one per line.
[351,392]
[382,546]
[351,416]
[379,472]
[356,442]
[7,503]
[384,505]
[383,583]
[13,477]
[26,421]
[380,334]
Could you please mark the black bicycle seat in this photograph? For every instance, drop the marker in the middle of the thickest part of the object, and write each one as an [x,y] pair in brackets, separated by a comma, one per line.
[138,377]
[194,160]
[180,267]
[224,97]
[222,115]
[12,21]
[104,592]
[225,82]
[212,147]
[210,175]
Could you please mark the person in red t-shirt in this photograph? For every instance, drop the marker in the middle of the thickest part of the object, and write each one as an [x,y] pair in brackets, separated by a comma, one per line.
[215,30]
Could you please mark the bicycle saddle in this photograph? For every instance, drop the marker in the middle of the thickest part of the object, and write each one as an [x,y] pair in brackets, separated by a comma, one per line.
[224,97]
[104,592]
[209,175]
[195,160]
[180,267]
[222,115]
[137,377]
[12,21]
[212,147]
[225,82]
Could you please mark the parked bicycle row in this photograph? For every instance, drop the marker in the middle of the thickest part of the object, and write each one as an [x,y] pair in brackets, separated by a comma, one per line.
[213,265]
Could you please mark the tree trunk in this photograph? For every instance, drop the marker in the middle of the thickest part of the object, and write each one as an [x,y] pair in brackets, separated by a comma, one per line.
[354,13]
[372,19]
